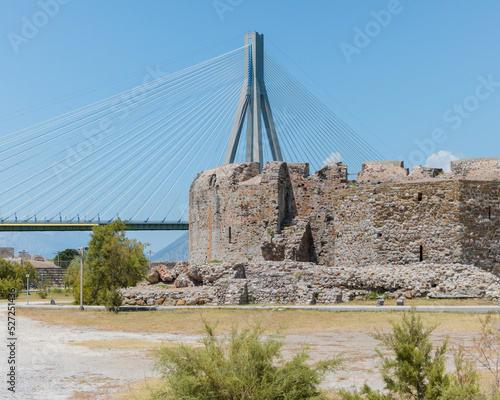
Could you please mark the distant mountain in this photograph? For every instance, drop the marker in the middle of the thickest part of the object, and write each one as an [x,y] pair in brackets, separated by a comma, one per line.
[178,250]
[44,243]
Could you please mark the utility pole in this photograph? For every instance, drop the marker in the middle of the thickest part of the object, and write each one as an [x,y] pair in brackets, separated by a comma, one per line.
[27,288]
[58,259]
[150,252]
[82,249]
[22,257]
[254,104]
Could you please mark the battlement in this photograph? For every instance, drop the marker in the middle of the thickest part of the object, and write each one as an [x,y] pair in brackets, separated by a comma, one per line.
[476,168]
[482,169]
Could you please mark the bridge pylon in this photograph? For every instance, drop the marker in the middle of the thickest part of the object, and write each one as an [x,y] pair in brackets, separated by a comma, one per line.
[254,105]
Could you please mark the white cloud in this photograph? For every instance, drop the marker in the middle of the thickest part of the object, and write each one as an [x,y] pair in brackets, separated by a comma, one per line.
[441,159]
[333,157]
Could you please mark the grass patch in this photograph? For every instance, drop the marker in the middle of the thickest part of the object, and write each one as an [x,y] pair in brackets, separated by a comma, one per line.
[293,321]
[121,344]
[100,383]
[423,302]
[126,344]
[58,296]
[139,390]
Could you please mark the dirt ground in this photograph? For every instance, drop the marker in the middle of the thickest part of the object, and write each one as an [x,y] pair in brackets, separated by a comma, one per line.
[66,362]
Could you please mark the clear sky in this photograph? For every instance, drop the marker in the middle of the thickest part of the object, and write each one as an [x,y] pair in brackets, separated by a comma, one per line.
[419,80]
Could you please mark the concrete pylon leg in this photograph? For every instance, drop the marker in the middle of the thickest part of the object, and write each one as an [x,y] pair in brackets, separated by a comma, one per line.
[271,129]
[250,131]
[239,119]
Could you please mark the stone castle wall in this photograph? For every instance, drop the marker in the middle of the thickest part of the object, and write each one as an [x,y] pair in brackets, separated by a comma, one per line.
[480,220]
[389,216]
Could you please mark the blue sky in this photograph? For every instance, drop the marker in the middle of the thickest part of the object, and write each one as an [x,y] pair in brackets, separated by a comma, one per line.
[419,80]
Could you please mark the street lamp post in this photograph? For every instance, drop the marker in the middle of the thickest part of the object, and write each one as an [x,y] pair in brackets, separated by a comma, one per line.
[58,259]
[27,288]
[81,276]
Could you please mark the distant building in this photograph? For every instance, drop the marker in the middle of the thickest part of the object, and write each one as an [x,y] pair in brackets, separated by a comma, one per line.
[7,252]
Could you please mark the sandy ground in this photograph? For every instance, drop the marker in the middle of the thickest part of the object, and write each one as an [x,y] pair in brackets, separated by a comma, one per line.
[49,367]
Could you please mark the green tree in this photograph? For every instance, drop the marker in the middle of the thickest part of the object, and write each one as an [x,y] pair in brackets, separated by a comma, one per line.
[114,262]
[246,365]
[13,276]
[65,257]
[72,275]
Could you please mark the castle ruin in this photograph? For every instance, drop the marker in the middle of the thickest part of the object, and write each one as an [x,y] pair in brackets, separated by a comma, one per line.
[281,235]
[388,216]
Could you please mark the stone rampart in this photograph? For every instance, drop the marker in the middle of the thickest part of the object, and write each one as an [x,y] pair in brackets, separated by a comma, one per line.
[392,217]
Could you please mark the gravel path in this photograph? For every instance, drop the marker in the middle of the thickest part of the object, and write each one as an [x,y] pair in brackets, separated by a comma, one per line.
[49,367]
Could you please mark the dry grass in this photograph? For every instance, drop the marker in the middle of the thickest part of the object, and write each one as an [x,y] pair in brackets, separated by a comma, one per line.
[100,384]
[291,321]
[126,344]
[139,390]
[120,344]
[34,296]
[425,302]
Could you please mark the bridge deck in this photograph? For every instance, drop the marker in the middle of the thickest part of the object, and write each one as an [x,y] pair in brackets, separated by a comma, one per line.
[87,226]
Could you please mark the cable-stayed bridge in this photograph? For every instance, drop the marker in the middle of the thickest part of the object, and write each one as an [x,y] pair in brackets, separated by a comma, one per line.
[134,155]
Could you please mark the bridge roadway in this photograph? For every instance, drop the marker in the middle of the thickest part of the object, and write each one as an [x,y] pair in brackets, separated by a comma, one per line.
[87,226]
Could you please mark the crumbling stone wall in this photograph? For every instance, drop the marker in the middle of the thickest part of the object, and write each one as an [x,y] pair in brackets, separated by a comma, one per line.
[382,171]
[397,223]
[477,168]
[389,216]
[480,220]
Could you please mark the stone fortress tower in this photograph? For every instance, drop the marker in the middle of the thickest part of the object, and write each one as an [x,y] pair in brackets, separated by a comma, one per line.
[388,216]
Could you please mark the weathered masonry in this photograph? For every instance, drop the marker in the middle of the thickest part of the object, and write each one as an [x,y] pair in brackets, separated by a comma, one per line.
[388,216]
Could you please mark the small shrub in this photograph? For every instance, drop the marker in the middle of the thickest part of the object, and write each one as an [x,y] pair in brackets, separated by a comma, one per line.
[375,295]
[298,275]
[43,289]
[214,261]
[465,382]
[415,368]
[111,299]
[487,352]
[245,365]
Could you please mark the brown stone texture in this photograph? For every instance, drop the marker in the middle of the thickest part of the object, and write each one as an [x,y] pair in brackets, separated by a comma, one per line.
[389,216]
[477,168]
[382,172]
[419,172]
